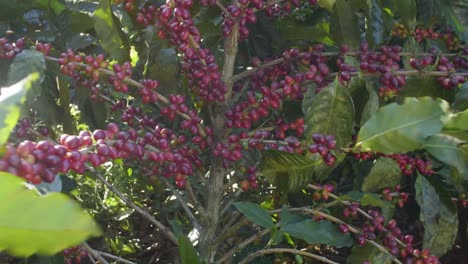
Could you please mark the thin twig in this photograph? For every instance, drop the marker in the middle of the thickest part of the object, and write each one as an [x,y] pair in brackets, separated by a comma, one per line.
[137,208]
[286,250]
[272,63]
[242,245]
[93,252]
[107,255]
[194,199]
[183,203]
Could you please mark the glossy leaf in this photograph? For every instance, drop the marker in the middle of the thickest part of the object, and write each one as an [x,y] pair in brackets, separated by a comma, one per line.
[440,223]
[448,150]
[384,173]
[458,121]
[188,254]
[323,232]
[401,128]
[30,223]
[10,99]
[331,113]
[108,32]
[288,171]
[255,213]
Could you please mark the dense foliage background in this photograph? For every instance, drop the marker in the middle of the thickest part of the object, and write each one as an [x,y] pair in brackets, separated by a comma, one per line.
[244,131]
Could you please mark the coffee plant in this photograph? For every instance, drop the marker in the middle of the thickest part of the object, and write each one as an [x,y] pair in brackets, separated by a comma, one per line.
[243,131]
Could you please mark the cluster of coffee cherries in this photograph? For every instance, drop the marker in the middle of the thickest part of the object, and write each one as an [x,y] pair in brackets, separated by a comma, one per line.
[175,22]
[74,255]
[445,34]
[449,82]
[395,195]
[283,127]
[323,194]
[285,7]
[121,72]
[251,181]
[9,50]
[390,233]
[242,15]
[323,145]
[386,60]
[409,164]
[400,30]
[45,48]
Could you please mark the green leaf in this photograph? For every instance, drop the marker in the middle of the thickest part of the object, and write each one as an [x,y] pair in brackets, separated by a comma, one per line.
[401,128]
[10,98]
[456,12]
[328,4]
[30,223]
[448,150]
[288,171]
[384,173]
[188,254]
[406,9]
[255,213]
[379,23]
[458,121]
[25,63]
[344,24]
[331,113]
[440,223]
[288,218]
[461,98]
[371,106]
[419,86]
[323,232]
[368,252]
[108,32]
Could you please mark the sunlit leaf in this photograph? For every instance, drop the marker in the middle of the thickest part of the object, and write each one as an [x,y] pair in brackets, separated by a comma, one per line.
[30,223]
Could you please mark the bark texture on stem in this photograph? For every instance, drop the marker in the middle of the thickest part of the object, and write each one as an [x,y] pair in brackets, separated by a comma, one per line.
[215,190]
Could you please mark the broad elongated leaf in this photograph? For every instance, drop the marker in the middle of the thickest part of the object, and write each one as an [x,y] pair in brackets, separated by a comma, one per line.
[30,223]
[360,254]
[406,9]
[188,254]
[461,98]
[331,113]
[319,232]
[371,106]
[440,223]
[108,32]
[288,171]
[328,4]
[25,63]
[448,150]
[10,98]
[255,213]
[344,24]
[385,173]
[401,128]
[379,23]
[458,121]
